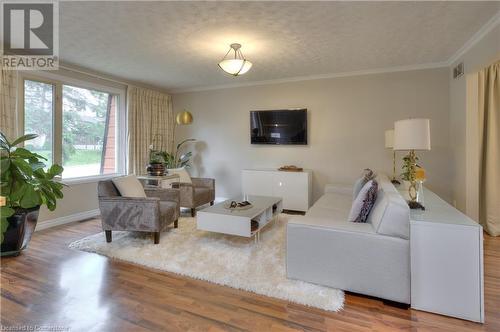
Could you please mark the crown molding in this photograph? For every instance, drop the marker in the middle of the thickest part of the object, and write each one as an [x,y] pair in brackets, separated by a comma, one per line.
[432,65]
[485,29]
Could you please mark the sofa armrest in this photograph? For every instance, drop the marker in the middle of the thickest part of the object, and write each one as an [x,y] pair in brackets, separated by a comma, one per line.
[204,182]
[339,188]
[164,194]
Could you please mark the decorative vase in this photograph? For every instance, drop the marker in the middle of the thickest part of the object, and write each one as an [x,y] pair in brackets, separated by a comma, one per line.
[156,169]
[18,234]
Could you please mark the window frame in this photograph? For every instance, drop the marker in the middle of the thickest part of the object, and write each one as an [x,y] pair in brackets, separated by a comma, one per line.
[58,81]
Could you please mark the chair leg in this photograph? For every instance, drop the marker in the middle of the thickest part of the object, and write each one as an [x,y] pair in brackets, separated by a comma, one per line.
[108,236]
[193,212]
[156,237]
[176,223]
[211,203]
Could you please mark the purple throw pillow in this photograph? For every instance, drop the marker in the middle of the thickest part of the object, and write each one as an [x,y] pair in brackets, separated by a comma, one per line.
[370,196]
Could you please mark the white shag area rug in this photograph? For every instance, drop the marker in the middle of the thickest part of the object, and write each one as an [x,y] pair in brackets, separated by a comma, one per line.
[222,259]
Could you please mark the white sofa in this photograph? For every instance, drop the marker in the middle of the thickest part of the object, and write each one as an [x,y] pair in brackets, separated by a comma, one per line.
[370,258]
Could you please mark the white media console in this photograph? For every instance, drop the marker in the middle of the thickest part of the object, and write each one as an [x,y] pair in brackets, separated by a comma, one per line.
[295,188]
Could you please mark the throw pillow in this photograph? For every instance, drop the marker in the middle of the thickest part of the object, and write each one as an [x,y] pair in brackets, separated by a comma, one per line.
[129,186]
[366,176]
[363,204]
[183,174]
[357,187]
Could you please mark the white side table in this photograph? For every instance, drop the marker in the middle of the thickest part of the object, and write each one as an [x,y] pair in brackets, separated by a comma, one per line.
[164,181]
[446,249]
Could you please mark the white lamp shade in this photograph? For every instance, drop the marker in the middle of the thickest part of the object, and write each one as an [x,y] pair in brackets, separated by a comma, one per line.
[389,139]
[235,66]
[412,134]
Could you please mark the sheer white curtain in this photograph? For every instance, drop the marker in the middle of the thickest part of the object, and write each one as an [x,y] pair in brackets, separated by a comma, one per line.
[150,122]
[8,103]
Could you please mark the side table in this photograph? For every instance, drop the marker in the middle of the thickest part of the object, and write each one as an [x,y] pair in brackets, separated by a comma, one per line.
[164,181]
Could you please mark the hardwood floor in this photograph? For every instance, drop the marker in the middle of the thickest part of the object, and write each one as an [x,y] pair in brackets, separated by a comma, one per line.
[52,286]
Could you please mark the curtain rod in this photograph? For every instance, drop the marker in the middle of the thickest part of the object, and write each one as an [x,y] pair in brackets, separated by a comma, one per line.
[93,75]
[112,79]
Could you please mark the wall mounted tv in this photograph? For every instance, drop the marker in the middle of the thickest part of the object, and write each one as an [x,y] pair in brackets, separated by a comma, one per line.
[279,127]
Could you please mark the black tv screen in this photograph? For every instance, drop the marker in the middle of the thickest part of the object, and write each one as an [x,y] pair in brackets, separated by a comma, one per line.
[279,127]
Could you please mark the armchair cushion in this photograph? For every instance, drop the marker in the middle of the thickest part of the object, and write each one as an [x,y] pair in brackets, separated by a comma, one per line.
[129,186]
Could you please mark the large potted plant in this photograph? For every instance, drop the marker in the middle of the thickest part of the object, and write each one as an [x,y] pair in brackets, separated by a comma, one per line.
[25,186]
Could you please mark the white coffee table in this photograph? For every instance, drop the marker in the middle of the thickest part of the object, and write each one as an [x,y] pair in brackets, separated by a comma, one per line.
[218,219]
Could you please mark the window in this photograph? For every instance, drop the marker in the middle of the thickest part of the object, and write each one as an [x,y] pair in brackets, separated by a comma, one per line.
[78,125]
[38,114]
[89,132]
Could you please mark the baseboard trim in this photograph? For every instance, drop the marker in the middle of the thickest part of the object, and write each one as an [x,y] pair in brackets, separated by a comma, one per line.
[66,219]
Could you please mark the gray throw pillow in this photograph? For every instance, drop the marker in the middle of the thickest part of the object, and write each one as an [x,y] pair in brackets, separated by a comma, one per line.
[365,177]
[363,204]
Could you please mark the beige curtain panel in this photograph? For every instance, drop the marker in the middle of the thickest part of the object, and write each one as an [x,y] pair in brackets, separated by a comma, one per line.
[8,92]
[150,122]
[489,148]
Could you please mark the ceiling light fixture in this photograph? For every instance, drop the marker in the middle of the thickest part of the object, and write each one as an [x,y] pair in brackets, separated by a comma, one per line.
[235,66]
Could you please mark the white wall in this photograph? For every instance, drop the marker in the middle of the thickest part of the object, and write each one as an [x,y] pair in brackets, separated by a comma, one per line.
[347,120]
[78,199]
[484,52]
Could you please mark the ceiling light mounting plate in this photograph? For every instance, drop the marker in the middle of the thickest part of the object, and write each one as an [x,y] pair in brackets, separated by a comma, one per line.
[235,46]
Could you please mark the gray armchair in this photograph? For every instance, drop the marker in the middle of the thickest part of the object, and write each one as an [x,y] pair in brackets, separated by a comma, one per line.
[153,213]
[201,191]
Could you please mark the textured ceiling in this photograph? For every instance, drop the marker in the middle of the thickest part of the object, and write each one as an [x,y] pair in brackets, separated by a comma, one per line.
[177,45]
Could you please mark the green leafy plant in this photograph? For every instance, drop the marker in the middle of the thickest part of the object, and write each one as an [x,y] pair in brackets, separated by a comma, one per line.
[25,183]
[408,168]
[184,159]
[171,160]
[156,157]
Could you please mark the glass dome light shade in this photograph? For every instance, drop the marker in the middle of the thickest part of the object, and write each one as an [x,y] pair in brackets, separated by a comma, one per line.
[235,67]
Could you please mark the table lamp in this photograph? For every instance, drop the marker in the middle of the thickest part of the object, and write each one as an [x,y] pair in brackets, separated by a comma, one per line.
[389,144]
[411,135]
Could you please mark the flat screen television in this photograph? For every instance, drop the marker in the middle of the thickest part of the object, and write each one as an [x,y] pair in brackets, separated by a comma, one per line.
[279,127]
